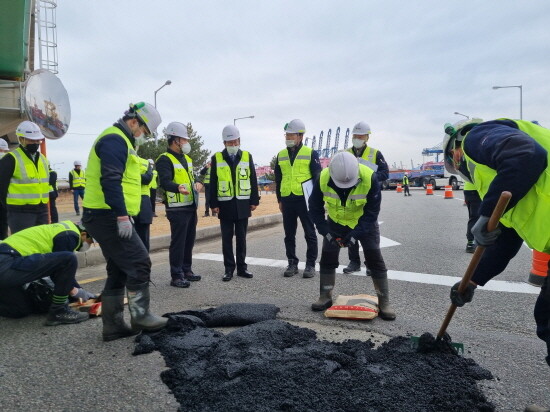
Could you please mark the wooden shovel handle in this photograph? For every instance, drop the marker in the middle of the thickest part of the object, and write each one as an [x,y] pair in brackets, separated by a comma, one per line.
[491,225]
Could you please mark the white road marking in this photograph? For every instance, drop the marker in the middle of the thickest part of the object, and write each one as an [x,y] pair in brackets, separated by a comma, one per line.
[424,278]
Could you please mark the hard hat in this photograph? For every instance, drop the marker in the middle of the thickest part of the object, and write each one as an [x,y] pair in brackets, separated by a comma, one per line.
[344,170]
[4,145]
[29,130]
[176,129]
[295,126]
[230,132]
[148,114]
[406,174]
[77,163]
[361,128]
[455,133]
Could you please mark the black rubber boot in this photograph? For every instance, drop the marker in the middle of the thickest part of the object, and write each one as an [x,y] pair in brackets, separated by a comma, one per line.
[138,302]
[327,281]
[352,267]
[63,315]
[112,315]
[386,311]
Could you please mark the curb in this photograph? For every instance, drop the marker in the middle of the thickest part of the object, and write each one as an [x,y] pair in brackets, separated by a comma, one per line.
[95,257]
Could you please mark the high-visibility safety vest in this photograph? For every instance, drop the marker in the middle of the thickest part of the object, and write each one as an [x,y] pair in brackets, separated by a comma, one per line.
[30,183]
[39,239]
[368,158]
[182,176]
[227,189]
[79,180]
[131,178]
[296,173]
[349,214]
[405,180]
[469,186]
[143,167]
[154,183]
[529,217]
[206,180]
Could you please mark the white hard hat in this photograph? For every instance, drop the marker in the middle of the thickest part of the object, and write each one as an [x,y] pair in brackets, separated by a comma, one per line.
[361,128]
[77,163]
[29,130]
[344,170]
[4,145]
[230,132]
[453,133]
[176,129]
[295,126]
[148,114]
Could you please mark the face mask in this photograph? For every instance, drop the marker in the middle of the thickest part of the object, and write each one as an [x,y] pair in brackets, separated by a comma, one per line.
[290,143]
[185,148]
[232,150]
[85,246]
[358,143]
[140,140]
[32,148]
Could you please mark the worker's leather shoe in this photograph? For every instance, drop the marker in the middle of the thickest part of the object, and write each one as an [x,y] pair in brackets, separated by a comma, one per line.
[180,283]
[192,277]
[227,276]
[470,247]
[352,267]
[245,274]
[309,272]
[64,315]
[290,271]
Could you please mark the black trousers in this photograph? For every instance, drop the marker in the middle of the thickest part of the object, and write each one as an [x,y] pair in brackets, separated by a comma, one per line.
[239,229]
[19,220]
[128,261]
[153,196]
[207,198]
[183,229]
[473,202]
[3,222]
[406,190]
[292,211]
[54,216]
[370,241]
[143,230]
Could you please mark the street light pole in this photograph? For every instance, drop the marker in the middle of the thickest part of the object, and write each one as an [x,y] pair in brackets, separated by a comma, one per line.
[166,83]
[239,118]
[460,114]
[520,87]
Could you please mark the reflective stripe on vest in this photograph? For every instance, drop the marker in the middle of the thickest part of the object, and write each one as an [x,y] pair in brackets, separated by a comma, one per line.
[368,158]
[143,167]
[39,239]
[226,186]
[529,217]
[349,214]
[181,177]
[29,184]
[131,178]
[293,175]
[79,180]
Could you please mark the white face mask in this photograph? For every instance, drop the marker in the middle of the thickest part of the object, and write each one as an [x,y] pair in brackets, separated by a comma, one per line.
[140,140]
[185,148]
[85,246]
[290,143]
[358,143]
[232,150]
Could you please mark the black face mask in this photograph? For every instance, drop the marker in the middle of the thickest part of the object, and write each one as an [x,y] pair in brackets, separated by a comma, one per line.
[32,148]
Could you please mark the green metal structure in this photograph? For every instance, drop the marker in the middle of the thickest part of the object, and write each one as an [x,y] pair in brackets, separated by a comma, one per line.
[14,38]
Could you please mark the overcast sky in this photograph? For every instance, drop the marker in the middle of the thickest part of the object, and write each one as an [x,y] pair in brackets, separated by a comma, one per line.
[403,67]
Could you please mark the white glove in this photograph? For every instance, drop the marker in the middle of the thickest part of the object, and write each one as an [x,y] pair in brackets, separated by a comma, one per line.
[124,229]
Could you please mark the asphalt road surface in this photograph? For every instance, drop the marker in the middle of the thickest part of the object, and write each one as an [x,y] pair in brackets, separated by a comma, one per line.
[69,368]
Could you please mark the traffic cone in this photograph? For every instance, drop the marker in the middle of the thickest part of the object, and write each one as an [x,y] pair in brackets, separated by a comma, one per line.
[448,192]
[539,268]
[399,188]
[429,189]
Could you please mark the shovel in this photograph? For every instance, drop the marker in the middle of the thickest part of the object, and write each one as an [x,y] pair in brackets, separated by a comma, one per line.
[491,225]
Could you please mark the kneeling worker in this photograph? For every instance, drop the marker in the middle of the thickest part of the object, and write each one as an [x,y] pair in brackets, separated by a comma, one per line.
[352,196]
[41,251]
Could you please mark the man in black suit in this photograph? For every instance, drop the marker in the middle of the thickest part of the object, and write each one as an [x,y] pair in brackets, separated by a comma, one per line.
[233,196]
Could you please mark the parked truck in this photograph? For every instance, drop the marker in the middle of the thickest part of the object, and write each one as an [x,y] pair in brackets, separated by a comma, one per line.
[433,173]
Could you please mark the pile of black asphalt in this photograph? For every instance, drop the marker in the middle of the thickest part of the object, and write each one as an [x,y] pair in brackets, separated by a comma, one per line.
[268,364]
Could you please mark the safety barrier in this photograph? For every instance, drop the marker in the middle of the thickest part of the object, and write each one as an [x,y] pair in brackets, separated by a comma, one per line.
[429,189]
[539,268]
[448,192]
[399,188]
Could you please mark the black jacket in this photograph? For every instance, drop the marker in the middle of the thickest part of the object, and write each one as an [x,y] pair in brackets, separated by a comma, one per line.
[234,209]
[165,170]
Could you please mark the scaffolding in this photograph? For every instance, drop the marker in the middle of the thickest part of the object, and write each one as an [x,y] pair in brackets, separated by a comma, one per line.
[47,34]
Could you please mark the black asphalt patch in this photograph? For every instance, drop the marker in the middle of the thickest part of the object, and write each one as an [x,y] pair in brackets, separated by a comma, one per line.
[273,365]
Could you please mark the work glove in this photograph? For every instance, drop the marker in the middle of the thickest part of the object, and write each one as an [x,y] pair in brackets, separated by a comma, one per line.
[332,239]
[84,295]
[124,229]
[349,240]
[460,300]
[481,235]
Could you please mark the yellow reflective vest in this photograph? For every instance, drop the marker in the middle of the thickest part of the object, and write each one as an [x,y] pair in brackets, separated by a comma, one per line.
[39,239]
[79,180]
[182,176]
[29,184]
[226,187]
[530,216]
[154,182]
[131,178]
[349,214]
[368,158]
[293,175]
